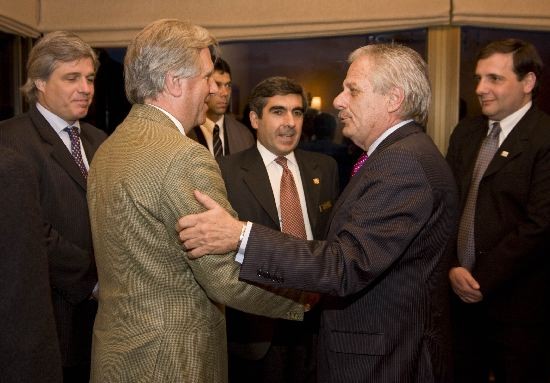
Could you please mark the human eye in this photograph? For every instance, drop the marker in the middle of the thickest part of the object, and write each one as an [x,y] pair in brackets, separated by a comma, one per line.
[298,113]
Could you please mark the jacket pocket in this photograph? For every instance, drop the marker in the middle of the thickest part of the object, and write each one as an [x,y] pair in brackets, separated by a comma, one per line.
[357,342]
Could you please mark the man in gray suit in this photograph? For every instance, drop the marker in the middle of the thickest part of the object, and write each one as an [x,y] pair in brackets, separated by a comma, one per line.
[262,349]
[220,126]
[383,259]
[60,88]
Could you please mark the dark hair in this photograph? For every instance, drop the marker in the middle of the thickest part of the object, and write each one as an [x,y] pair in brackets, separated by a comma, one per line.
[274,86]
[525,57]
[221,65]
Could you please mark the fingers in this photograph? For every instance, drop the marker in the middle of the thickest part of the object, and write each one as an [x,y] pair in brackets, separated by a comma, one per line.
[206,201]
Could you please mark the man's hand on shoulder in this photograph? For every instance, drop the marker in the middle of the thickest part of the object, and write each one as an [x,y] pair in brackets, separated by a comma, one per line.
[214,231]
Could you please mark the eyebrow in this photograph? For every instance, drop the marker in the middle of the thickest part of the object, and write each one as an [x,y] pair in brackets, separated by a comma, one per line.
[280,107]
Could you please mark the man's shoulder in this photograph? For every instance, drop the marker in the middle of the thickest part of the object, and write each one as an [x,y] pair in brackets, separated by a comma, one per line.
[17,122]
[92,131]
[308,157]
[230,119]
[236,159]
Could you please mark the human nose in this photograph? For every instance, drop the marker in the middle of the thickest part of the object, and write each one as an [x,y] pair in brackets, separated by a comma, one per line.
[213,86]
[85,86]
[290,119]
[339,101]
[224,90]
[481,87]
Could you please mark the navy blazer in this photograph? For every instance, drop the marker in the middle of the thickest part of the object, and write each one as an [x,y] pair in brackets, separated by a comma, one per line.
[250,194]
[512,219]
[66,225]
[384,263]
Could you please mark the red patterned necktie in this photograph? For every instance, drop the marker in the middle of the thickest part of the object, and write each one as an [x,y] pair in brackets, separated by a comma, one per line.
[74,135]
[362,158]
[291,211]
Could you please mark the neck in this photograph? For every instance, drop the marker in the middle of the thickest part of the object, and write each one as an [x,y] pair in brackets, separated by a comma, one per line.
[213,116]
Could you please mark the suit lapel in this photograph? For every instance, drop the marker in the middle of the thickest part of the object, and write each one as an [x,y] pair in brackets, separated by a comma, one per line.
[57,148]
[256,178]
[311,183]
[399,134]
[513,145]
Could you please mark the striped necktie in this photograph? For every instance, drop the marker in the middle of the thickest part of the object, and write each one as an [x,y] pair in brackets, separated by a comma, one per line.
[217,147]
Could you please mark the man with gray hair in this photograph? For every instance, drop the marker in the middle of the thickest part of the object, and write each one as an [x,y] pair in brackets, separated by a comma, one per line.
[383,260]
[60,88]
[161,316]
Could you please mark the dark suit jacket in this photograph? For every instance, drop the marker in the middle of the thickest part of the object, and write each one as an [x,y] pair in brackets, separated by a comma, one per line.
[384,256]
[66,225]
[236,136]
[249,192]
[28,342]
[512,218]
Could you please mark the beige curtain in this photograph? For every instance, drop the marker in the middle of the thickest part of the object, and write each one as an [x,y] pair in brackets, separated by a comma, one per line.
[19,17]
[114,23]
[520,14]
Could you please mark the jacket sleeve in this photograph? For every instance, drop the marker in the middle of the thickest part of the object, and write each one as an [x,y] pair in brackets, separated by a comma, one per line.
[217,274]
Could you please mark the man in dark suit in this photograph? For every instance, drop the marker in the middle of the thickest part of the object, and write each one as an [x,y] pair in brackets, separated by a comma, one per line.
[262,349]
[383,260]
[28,342]
[220,126]
[59,89]
[502,268]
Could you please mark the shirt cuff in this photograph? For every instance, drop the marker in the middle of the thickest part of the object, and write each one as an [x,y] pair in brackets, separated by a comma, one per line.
[239,257]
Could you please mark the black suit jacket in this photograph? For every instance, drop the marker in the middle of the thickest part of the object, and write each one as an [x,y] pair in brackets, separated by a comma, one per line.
[249,192]
[28,342]
[236,136]
[66,225]
[512,220]
[384,258]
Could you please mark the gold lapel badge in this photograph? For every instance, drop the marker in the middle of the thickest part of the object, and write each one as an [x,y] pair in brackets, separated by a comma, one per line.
[325,206]
[504,154]
[316,181]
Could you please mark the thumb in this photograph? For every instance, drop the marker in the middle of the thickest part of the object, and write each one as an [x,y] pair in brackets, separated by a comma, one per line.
[205,200]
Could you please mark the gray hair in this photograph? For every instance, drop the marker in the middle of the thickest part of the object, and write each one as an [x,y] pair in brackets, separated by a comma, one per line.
[166,45]
[400,67]
[52,49]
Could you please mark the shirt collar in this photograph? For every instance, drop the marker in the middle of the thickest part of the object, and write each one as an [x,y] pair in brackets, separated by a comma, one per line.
[508,122]
[383,136]
[268,157]
[56,122]
[172,118]
[209,124]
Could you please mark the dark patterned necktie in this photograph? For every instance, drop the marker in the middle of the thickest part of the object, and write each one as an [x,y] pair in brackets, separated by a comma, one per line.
[362,158]
[74,135]
[466,243]
[291,211]
[217,147]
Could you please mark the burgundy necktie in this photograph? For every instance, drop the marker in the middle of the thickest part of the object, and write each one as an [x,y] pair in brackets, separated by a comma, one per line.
[291,211]
[74,135]
[362,158]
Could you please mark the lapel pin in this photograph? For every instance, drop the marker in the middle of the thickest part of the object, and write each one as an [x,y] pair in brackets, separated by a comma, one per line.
[504,154]
[316,181]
